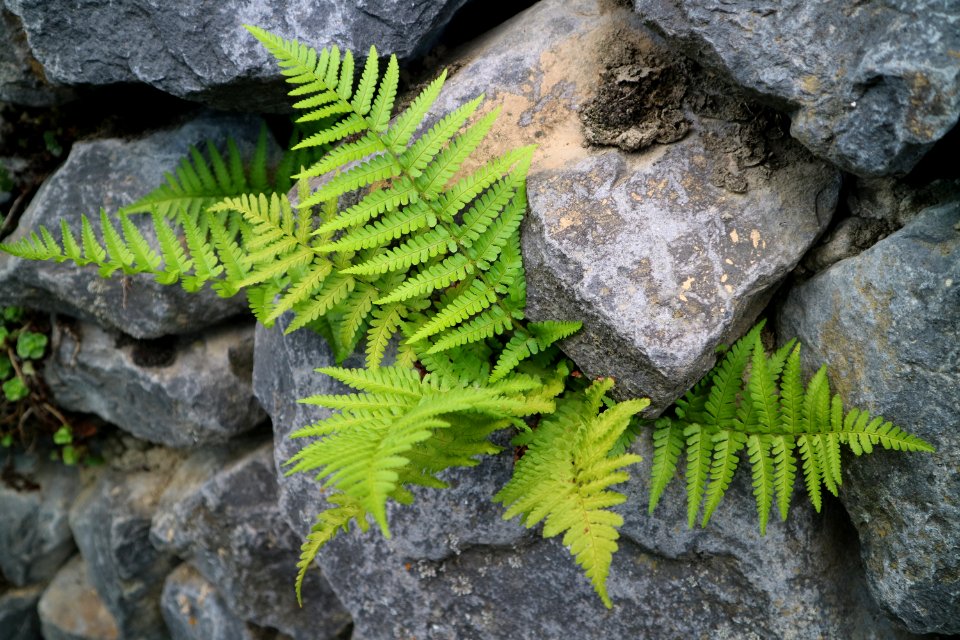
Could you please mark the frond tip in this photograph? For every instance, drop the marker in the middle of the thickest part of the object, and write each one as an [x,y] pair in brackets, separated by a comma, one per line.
[781,426]
[564,477]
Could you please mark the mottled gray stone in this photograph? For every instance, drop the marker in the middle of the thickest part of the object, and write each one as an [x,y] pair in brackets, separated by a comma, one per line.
[22,80]
[229,527]
[35,499]
[179,391]
[111,524]
[887,323]
[454,569]
[18,612]
[71,609]
[870,86]
[201,51]
[194,610]
[665,253]
[110,174]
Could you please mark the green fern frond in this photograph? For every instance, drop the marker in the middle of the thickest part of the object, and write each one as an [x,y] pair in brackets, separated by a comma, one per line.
[329,523]
[781,425]
[564,479]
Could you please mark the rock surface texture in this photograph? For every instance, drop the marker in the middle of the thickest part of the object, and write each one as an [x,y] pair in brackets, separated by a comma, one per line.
[71,609]
[178,391]
[18,612]
[871,86]
[111,174]
[663,251]
[888,324]
[111,524]
[35,539]
[228,526]
[194,610]
[200,51]
[21,78]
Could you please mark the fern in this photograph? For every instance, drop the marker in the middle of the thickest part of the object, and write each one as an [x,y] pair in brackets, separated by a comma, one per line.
[775,420]
[564,477]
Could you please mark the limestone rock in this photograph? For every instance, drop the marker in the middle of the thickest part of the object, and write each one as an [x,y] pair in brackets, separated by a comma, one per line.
[180,391]
[111,524]
[194,610]
[200,51]
[18,612]
[663,253]
[35,498]
[110,174]
[229,527]
[70,608]
[870,87]
[21,77]
[887,323]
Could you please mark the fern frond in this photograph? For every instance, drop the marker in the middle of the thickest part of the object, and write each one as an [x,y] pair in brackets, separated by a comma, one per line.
[328,524]
[668,441]
[564,479]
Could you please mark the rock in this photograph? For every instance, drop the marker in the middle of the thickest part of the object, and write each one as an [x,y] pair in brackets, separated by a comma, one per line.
[18,612]
[454,569]
[887,323]
[70,608]
[663,254]
[194,610]
[110,174]
[201,52]
[22,80]
[870,87]
[180,391]
[229,527]
[111,524]
[35,539]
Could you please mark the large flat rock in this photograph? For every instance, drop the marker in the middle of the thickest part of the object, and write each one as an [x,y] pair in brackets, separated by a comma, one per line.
[200,51]
[869,86]
[666,250]
[887,322]
[180,391]
[110,174]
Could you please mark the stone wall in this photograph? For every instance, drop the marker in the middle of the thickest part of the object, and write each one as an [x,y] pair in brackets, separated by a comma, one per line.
[698,166]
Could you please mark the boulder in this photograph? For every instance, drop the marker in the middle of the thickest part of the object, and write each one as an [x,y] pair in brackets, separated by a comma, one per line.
[113,173]
[180,391]
[195,610]
[887,323]
[668,244]
[111,524]
[18,612]
[71,609]
[454,569]
[228,526]
[870,87]
[199,51]
[35,499]
[22,80]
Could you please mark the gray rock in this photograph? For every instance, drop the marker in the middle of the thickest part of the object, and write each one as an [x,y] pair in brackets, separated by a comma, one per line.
[454,569]
[22,80]
[110,174]
[230,528]
[870,87]
[888,324]
[71,609]
[35,498]
[111,524]
[194,610]
[178,391]
[662,254]
[18,612]
[201,52]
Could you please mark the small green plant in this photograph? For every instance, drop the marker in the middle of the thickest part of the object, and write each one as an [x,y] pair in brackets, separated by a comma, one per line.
[424,266]
[757,402]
